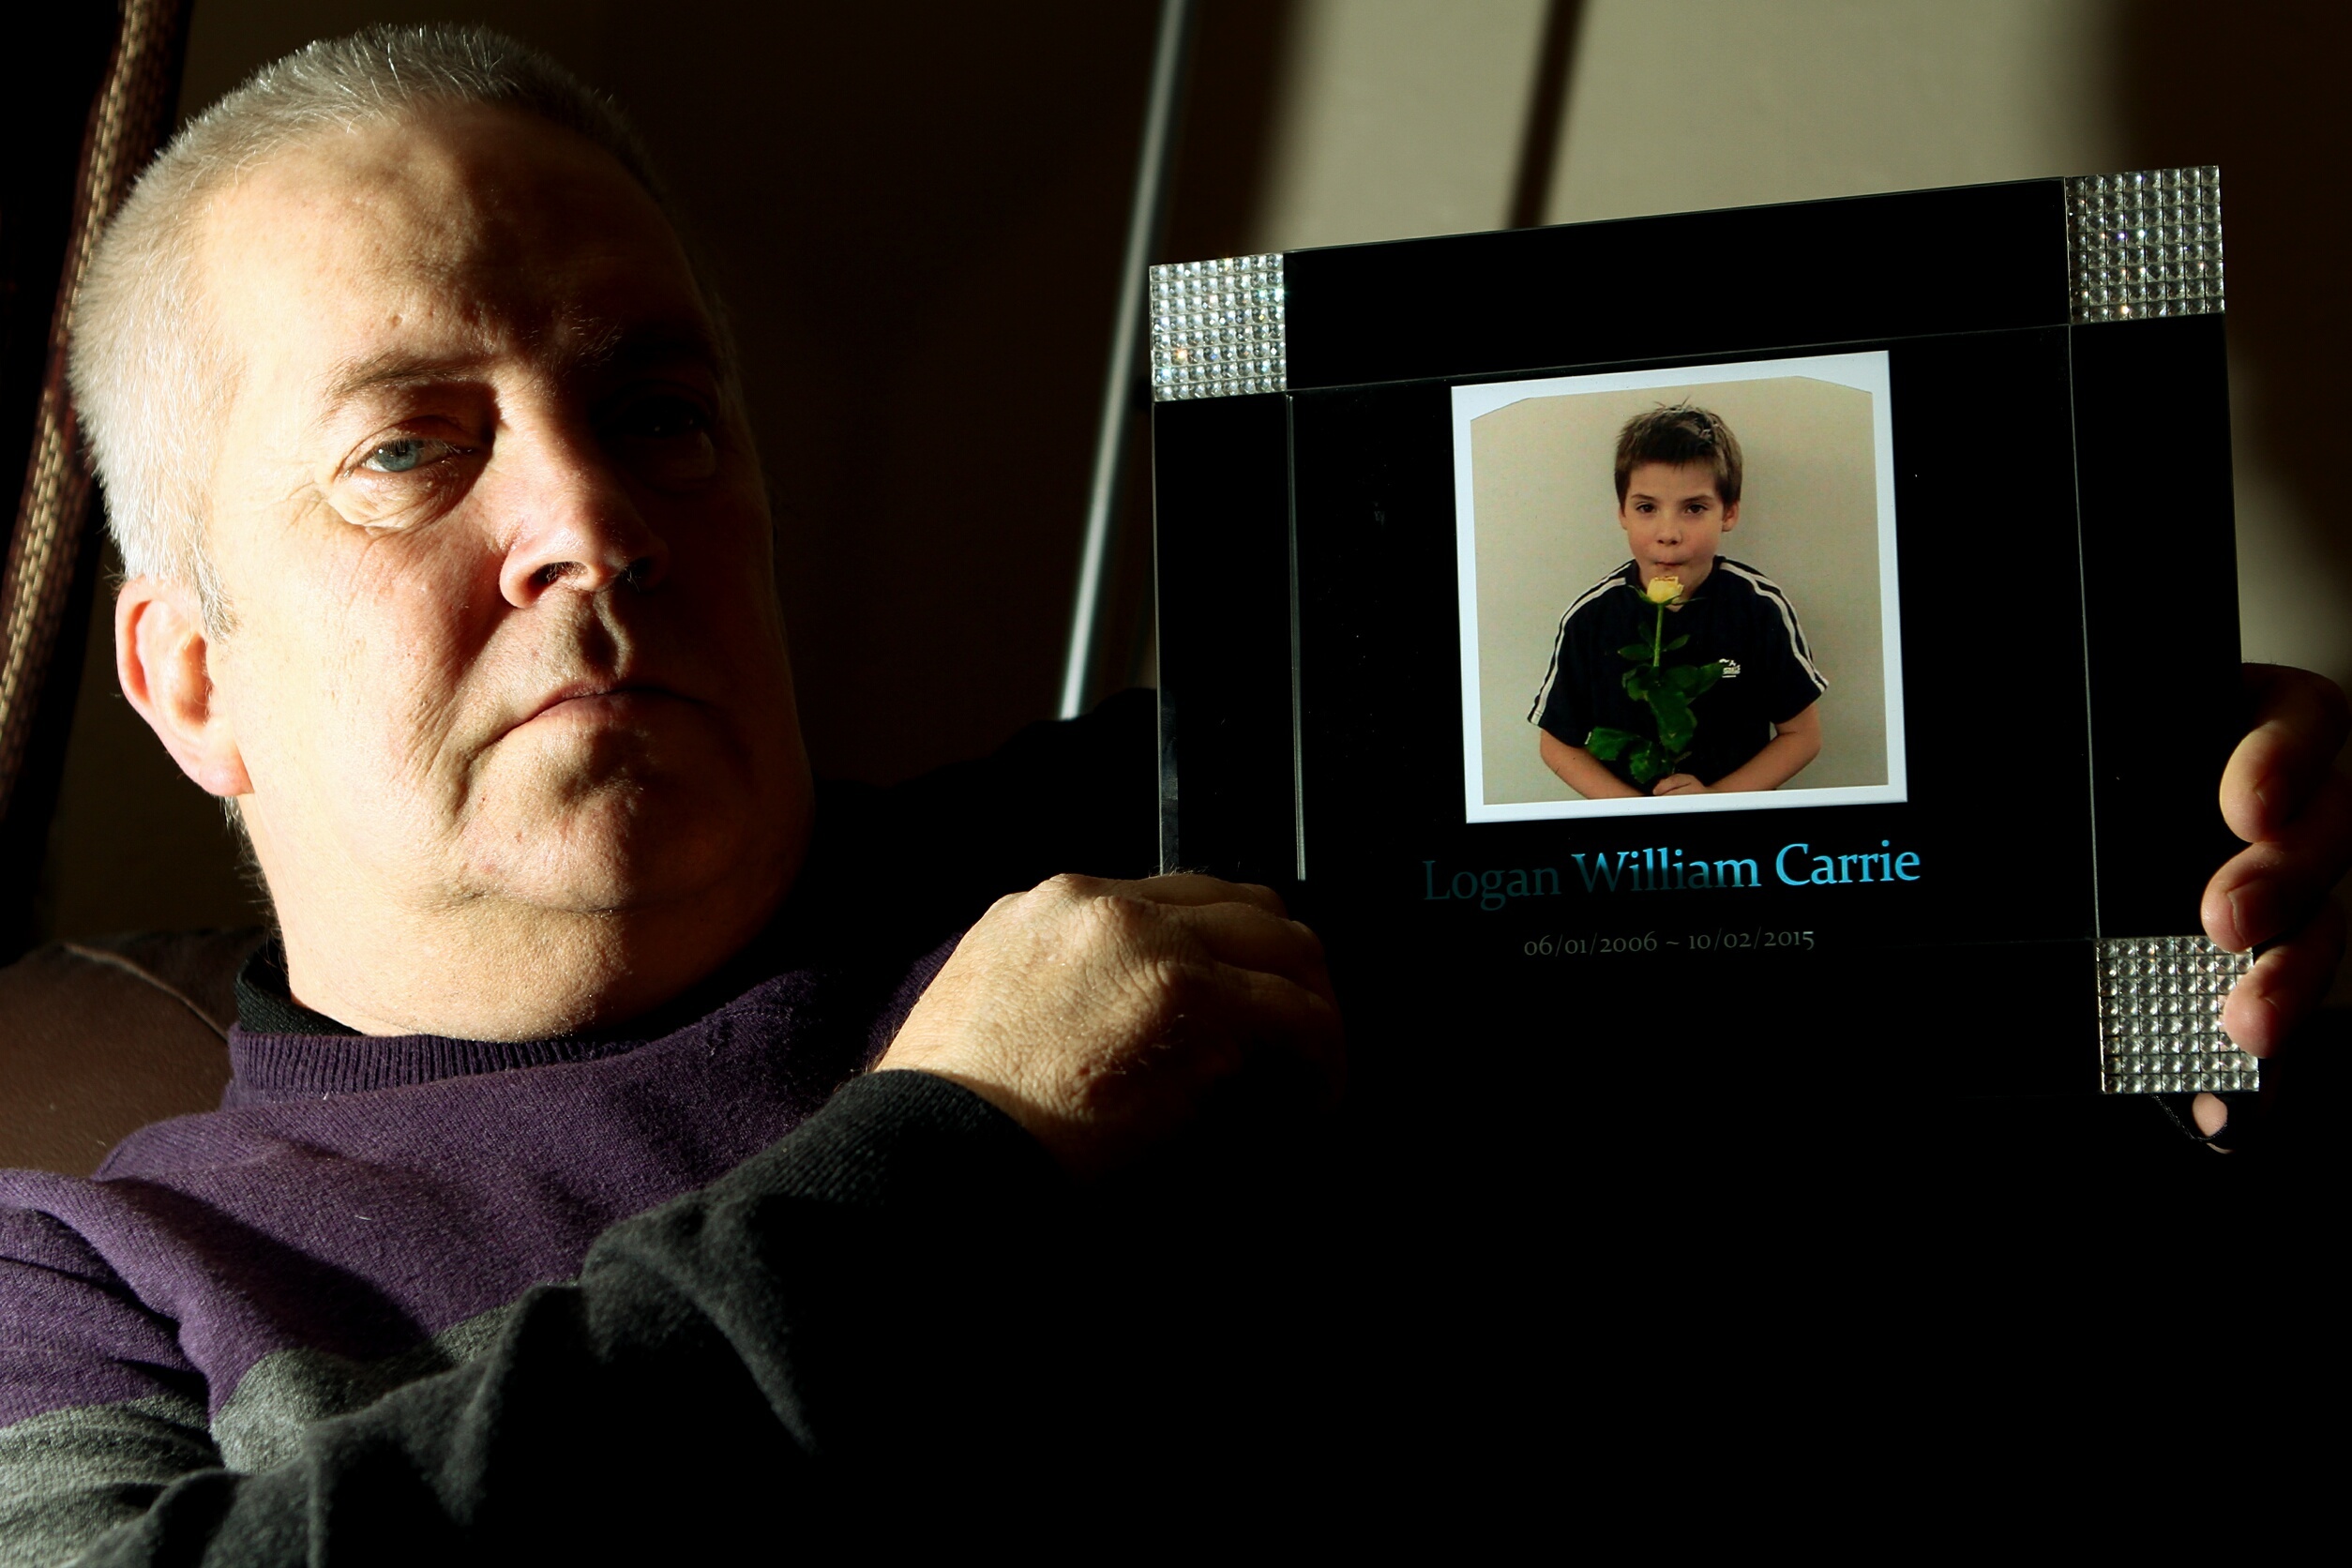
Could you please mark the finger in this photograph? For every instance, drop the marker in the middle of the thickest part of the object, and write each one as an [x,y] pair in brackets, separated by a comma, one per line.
[1248,938]
[2300,722]
[2285,985]
[2270,887]
[1278,1016]
[1192,888]
[2211,1116]
[2209,1113]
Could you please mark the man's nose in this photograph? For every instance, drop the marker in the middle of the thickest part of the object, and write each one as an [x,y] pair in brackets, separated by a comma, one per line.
[575,527]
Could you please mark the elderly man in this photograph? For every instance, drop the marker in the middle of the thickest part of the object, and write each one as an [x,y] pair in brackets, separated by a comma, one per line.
[449,566]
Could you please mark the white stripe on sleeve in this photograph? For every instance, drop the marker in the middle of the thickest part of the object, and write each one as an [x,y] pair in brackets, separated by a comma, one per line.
[1772,594]
[1559,637]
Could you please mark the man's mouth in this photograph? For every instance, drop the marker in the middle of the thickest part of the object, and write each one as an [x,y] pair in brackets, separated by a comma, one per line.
[589,698]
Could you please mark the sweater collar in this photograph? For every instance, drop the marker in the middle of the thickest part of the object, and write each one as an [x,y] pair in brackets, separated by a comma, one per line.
[280,1048]
[265,1004]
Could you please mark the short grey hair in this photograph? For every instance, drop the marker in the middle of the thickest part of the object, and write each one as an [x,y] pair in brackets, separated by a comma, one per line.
[145,362]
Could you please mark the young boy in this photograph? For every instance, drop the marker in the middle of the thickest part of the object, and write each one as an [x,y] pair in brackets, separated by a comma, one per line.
[1678,494]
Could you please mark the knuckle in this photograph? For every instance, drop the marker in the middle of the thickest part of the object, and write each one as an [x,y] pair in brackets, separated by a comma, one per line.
[1167,980]
[1117,919]
[1168,988]
[1258,893]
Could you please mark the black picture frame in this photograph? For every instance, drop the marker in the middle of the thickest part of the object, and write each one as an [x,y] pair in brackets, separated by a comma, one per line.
[2055,363]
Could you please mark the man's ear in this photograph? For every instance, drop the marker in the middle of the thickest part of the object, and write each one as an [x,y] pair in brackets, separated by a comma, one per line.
[163,656]
[1731,517]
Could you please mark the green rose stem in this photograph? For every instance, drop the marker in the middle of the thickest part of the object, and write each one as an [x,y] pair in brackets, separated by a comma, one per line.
[1667,693]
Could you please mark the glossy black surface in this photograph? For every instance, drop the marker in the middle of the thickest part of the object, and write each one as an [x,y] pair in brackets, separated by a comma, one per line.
[1976,973]
[1221,512]
[1998,770]
[2152,436]
[1741,283]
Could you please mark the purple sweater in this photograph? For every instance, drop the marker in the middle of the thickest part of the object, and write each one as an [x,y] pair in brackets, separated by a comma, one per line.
[360,1213]
[365,1215]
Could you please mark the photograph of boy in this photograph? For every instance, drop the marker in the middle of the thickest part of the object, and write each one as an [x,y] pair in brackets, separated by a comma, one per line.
[1773,552]
[1679,475]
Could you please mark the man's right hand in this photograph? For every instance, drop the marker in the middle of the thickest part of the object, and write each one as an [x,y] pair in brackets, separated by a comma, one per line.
[1101,1014]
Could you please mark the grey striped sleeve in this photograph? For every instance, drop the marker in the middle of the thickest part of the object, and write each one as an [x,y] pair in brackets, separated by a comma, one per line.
[68,1476]
[263,1422]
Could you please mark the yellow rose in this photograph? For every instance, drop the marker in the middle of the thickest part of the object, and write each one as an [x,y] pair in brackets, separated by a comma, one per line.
[1664,590]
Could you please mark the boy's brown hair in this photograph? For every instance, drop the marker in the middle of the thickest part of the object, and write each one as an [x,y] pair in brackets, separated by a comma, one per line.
[1677,435]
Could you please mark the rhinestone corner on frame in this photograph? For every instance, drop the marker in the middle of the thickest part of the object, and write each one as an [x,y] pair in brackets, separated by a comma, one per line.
[2160,1017]
[2145,244]
[1217,328]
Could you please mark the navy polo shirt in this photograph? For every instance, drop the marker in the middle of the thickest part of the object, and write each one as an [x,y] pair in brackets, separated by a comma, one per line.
[1738,615]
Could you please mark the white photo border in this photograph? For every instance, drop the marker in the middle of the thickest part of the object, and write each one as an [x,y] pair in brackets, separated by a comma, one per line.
[1865,371]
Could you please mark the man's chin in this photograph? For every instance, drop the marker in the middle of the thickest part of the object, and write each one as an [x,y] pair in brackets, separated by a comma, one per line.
[614,816]
[628,843]
[625,879]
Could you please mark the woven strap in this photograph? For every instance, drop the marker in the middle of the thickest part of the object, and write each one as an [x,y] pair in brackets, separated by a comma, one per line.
[129,118]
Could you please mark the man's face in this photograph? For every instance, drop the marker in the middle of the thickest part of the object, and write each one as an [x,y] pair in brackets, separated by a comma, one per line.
[491,534]
[1674,520]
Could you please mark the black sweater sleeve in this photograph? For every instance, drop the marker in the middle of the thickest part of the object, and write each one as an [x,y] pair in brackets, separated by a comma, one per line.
[747,1358]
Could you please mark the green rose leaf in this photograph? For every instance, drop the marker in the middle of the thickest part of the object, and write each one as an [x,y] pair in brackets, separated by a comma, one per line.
[1667,690]
[1676,725]
[1608,744]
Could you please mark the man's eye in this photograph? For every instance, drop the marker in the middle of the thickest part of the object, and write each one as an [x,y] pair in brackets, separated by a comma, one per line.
[406,454]
[663,420]
[665,439]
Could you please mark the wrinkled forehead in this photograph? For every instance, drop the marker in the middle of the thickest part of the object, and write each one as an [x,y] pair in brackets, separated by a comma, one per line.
[462,232]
